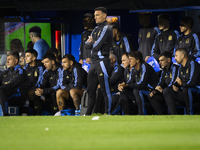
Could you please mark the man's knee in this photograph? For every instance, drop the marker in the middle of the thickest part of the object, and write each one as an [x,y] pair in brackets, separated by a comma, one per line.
[166,90]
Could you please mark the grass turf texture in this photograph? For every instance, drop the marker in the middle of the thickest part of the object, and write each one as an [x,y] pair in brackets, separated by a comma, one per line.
[109,132]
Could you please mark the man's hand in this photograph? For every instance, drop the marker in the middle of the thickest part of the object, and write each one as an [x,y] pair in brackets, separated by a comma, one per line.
[98,87]
[81,61]
[175,88]
[152,93]
[90,39]
[159,88]
[147,57]
[121,86]
[39,91]
[87,60]
[179,81]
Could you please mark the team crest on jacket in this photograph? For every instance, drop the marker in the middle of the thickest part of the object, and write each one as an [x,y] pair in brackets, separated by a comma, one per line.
[170,38]
[101,74]
[160,40]
[99,33]
[170,75]
[148,34]
[127,75]
[67,77]
[35,74]
[29,75]
[187,70]
[187,41]
[51,78]
[120,45]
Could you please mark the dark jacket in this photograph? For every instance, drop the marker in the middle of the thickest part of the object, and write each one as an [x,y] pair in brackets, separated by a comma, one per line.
[83,52]
[189,75]
[117,77]
[125,44]
[76,79]
[165,41]
[168,76]
[190,42]
[146,39]
[102,42]
[14,79]
[49,81]
[145,78]
[34,73]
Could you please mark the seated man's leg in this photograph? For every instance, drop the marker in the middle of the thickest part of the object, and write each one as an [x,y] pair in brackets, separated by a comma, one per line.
[3,97]
[37,104]
[188,98]
[170,96]
[61,95]
[139,96]
[30,95]
[76,95]
[54,102]
[157,101]
[125,101]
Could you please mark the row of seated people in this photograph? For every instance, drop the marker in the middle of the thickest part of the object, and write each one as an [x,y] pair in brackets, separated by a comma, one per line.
[132,85]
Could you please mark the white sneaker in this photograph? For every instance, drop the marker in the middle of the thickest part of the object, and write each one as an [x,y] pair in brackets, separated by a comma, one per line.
[58,113]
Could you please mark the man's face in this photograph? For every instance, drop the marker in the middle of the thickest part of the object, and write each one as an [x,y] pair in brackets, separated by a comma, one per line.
[48,63]
[162,23]
[179,57]
[31,37]
[132,61]
[87,23]
[183,29]
[125,61]
[29,58]
[11,61]
[164,62]
[114,33]
[99,16]
[66,64]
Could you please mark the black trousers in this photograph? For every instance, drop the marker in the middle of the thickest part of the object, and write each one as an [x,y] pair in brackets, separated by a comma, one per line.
[139,96]
[158,103]
[50,99]
[99,73]
[11,97]
[127,100]
[184,96]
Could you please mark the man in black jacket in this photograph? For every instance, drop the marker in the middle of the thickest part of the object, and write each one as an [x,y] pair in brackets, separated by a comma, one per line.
[34,70]
[145,78]
[99,43]
[188,40]
[73,80]
[12,83]
[186,83]
[48,84]
[166,40]
[168,76]
[122,42]
[88,24]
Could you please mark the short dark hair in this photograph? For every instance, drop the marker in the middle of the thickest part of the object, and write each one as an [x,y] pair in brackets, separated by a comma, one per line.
[33,52]
[187,21]
[36,30]
[14,54]
[166,54]
[184,51]
[137,55]
[125,53]
[51,56]
[88,15]
[103,9]
[164,16]
[70,57]
[52,50]
[115,26]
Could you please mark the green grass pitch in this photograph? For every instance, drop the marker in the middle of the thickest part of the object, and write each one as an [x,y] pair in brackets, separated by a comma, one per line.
[109,132]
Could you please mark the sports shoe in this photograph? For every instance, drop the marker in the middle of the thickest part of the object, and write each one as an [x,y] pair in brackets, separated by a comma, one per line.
[77,112]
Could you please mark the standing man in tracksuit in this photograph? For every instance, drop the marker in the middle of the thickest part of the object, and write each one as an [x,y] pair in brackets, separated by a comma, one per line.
[186,83]
[146,35]
[48,84]
[88,24]
[100,43]
[145,77]
[12,83]
[166,40]
[122,42]
[168,76]
[75,86]
[188,40]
